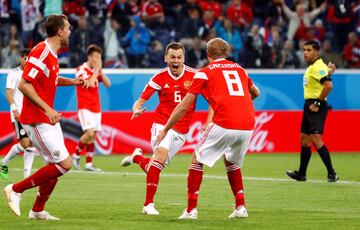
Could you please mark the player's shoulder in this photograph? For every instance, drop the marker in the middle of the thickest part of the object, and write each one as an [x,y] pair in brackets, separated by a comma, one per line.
[38,49]
[161,74]
[14,72]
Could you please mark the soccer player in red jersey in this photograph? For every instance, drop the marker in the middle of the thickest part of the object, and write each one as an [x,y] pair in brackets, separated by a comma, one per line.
[40,120]
[89,105]
[229,91]
[171,84]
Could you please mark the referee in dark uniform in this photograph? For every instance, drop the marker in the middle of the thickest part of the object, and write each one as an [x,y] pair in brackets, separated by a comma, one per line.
[317,86]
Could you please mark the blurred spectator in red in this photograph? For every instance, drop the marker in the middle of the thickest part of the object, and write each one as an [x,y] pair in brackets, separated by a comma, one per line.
[240,14]
[74,10]
[340,19]
[211,5]
[352,51]
[152,13]
[329,55]
[300,20]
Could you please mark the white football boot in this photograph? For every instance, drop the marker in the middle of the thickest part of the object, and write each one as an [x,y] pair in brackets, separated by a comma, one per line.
[128,160]
[43,215]
[76,161]
[13,199]
[90,167]
[189,215]
[240,212]
[150,210]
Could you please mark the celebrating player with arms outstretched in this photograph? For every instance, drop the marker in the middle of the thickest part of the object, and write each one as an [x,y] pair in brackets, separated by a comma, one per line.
[229,92]
[171,84]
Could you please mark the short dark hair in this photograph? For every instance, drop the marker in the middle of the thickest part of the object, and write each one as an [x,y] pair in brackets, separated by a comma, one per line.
[94,48]
[315,44]
[54,23]
[174,46]
[24,52]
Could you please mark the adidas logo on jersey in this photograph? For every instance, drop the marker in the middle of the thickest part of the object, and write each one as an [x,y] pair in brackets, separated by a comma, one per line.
[166,86]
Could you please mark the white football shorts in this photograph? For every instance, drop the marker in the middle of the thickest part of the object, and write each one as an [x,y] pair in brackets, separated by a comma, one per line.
[49,140]
[173,140]
[218,141]
[89,120]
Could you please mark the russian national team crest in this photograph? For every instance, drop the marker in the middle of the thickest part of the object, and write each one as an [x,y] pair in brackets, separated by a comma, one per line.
[187,84]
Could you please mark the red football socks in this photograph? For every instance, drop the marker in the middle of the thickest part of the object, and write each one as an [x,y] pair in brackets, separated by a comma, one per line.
[152,181]
[143,162]
[235,181]
[90,148]
[80,148]
[194,181]
[43,195]
[42,176]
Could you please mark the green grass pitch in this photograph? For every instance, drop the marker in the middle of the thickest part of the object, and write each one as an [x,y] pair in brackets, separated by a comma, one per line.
[113,199]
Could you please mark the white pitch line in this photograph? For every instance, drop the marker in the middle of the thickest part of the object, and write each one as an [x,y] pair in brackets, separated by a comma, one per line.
[205,176]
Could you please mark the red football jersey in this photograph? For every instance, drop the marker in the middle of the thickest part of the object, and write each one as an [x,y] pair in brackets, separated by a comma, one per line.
[225,85]
[42,70]
[171,91]
[88,98]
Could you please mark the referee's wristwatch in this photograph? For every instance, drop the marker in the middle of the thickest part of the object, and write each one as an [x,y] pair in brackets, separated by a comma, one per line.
[317,103]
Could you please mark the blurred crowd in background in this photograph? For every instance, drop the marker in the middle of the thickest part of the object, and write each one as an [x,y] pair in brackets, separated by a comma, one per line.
[134,33]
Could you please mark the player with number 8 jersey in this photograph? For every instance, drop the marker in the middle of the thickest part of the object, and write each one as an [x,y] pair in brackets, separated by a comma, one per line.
[222,78]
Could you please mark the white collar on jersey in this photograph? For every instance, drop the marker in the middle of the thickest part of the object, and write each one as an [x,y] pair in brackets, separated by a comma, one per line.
[220,59]
[51,50]
[88,67]
[176,77]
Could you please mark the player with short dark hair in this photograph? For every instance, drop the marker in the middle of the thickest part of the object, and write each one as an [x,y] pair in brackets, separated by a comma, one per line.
[317,86]
[89,109]
[15,98]
[171,84]
[39,119]
[229,91]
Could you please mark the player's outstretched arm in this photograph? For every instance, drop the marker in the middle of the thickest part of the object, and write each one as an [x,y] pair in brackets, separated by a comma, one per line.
[138,108]
[28,90]
[64,81]
[179,111]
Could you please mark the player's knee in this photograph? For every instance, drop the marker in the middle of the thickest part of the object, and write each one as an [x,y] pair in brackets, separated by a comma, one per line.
[161,155]
[89,135]
[25,143]
[66,164]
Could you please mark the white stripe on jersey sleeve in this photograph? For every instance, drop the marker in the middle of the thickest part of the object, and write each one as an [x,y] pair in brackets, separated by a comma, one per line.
[154,85]
[40,64]
[200,75]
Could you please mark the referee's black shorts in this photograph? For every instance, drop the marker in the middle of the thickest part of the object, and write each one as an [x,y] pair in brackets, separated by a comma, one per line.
[313,122]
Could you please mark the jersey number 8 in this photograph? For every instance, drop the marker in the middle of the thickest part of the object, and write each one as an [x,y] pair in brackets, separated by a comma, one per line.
[233,83]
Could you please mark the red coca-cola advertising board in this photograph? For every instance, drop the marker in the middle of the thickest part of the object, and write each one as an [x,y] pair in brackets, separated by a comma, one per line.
[275,131]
